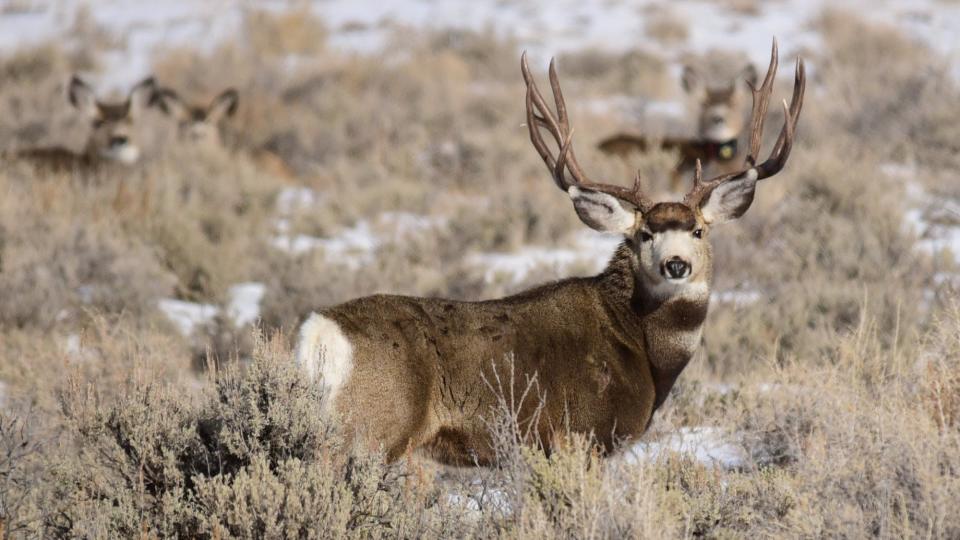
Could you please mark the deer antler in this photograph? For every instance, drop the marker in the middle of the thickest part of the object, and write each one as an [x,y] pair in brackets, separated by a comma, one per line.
[781,150]
[540,116]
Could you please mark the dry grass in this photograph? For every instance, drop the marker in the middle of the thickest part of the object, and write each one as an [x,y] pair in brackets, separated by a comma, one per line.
[665,26]
[839,384]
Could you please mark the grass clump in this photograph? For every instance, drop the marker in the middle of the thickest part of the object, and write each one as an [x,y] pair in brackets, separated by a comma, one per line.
[249,457]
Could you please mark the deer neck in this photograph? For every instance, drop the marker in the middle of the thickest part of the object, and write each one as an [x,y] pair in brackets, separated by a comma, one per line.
[667,328]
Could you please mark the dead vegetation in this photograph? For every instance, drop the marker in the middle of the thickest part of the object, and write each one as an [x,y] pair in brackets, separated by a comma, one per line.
[838,383]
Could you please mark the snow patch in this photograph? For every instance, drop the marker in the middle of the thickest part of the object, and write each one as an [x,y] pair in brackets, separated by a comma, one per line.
[490,499]
[243,306]
[935,220]
[73,348]
[545,28]
[591,248]
[403,225]
[187,316]
[356,246]
[294,199]
[706,444]
[736,297]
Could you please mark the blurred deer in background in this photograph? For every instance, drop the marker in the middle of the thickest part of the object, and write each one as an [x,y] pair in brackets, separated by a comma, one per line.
[113,134]
[721,125]
[414,373]
[200,126]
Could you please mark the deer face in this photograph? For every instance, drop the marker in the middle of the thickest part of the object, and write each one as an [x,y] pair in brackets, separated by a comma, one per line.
[198,125]
[667,239]
[670,245]
[721,117]
[112,135]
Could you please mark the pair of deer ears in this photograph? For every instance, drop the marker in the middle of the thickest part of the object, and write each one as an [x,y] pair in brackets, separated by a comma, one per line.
[222,106]
[606,213]
[693,81]
[84,99]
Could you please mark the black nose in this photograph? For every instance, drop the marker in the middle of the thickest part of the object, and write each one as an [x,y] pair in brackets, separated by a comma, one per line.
[715,120]
[677,268]
[118,140]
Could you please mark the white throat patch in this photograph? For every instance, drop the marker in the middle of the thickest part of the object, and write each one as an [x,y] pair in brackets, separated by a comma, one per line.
[680,288]
[127,154]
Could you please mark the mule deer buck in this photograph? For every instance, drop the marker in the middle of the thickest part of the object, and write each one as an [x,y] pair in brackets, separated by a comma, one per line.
[113,137]
[412,373]
[718,143]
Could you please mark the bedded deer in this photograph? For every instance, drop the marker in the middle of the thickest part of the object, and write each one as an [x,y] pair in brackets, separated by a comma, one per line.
[199,126]
[113,137]
[721,125]
[412,373]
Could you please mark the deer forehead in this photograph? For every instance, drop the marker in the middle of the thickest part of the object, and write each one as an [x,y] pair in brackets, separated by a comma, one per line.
[670,216]
[720,96]
[197,114]
[113,112]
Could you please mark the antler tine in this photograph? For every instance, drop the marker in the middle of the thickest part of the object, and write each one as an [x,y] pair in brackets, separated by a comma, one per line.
[567,155]
[539,115]
[761,101]
[781,149]
[558,95]
[538,143]
[545,118]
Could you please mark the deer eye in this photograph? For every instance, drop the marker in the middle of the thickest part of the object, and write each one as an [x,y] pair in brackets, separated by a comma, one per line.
[698,233]
[645,236]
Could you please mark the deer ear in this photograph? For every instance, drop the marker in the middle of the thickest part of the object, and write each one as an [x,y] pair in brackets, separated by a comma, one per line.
[170,103]
[691,80]
[142,96]
[602,212]
[82,97]
[749,74]
[730,200]
[223,106]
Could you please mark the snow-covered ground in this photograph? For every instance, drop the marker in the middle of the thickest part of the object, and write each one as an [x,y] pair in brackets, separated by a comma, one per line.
[708,445]
[187,316]
[541,26]
[242,308]
[935,220]
[589,248]
[736,297]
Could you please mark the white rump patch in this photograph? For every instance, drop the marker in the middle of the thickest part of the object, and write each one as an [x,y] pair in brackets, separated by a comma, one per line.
[325,352]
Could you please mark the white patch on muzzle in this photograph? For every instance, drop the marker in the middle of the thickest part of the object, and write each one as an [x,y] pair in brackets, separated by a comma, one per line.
[127,154]
[671,244]
[719,131]
[325,353]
